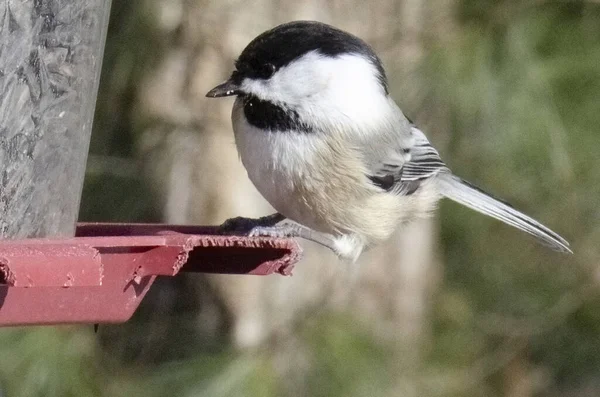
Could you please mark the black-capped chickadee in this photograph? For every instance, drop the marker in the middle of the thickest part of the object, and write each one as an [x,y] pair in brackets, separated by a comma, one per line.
[330,150]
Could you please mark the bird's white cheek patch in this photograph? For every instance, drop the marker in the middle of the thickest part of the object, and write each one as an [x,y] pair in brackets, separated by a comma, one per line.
[258,88]
[293,85]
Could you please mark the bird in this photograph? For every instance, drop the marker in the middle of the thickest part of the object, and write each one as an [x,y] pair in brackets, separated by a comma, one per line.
[326,145]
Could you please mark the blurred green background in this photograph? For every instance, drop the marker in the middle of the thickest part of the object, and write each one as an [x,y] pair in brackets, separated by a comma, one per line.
[509,91]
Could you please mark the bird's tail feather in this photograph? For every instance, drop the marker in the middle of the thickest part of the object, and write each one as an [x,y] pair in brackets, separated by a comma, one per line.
[466,194]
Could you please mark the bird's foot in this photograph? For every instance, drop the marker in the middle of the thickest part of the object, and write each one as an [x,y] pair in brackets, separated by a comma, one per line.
[276,226]
[278,231]
[289,229]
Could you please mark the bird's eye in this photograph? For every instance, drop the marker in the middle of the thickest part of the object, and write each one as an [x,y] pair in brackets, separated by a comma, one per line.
[266,71]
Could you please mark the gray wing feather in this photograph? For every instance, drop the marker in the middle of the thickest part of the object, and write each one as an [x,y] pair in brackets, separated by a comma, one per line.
[406,167]
[414,160]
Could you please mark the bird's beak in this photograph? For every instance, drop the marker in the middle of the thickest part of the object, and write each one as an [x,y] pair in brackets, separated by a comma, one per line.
[227,88]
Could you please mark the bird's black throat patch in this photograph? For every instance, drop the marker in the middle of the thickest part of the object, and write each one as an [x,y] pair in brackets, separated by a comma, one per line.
[272,117]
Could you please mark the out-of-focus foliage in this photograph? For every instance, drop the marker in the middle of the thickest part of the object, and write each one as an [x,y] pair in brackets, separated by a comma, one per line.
[521,83]
[114,189]
[52,362]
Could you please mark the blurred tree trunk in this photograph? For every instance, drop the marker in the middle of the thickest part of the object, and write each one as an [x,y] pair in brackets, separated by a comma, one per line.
[190,153]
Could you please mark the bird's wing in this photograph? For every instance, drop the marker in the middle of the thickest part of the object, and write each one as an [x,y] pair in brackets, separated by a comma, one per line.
[406,166]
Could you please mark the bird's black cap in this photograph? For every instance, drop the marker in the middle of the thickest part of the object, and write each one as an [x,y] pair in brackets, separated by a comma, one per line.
[283,44]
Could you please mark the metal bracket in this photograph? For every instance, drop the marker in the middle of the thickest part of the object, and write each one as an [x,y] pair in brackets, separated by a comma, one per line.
[103,273]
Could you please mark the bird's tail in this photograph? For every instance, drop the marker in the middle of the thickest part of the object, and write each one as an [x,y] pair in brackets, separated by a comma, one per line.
[466,194]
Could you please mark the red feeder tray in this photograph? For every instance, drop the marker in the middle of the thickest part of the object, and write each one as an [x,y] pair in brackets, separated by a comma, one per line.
[102,274]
